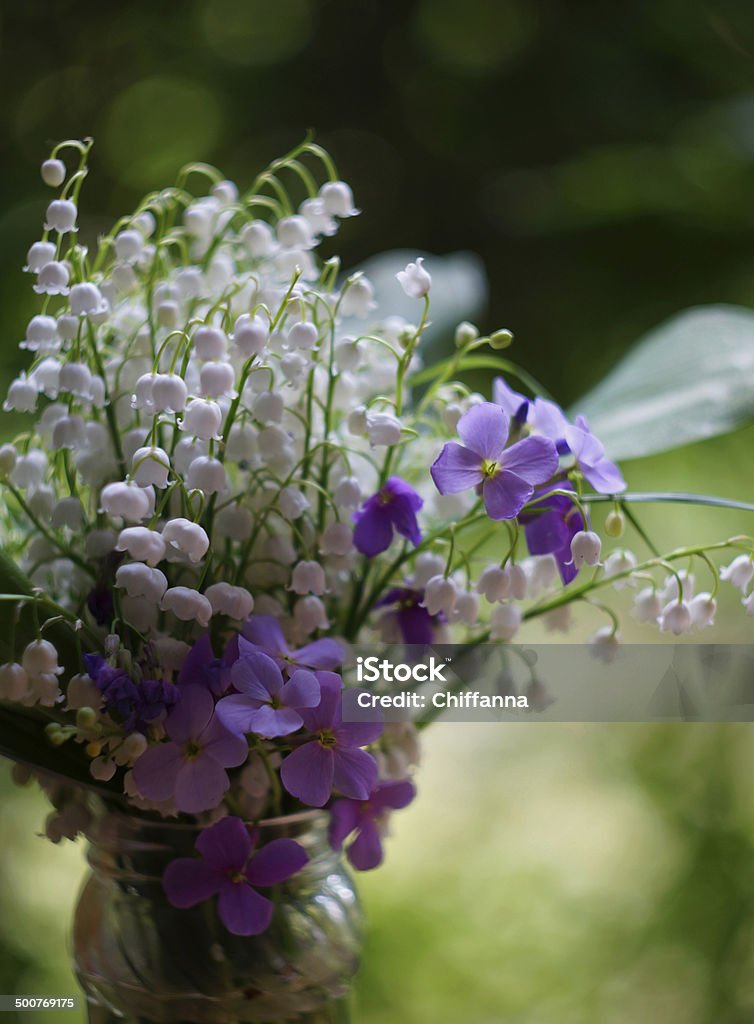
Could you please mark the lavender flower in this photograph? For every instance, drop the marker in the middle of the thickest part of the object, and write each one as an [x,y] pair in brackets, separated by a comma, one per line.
[134,705]
[190,769]
[232,871]
[414,622]
[392,508]
[506,476]
[202,668]
[550,524]
[266,705]
[365,819]
[332,758]
[265,634]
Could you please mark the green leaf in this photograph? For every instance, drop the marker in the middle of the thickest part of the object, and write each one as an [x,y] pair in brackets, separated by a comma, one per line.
[689,379]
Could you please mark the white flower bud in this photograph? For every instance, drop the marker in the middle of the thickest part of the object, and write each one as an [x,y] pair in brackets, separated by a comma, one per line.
[187,537]
[258,239]
[139,580]
[53,279]
[41,657]
[13,681]
[268,407]
[8,458]
[358,298]
[347,494]
[22,396]
[82,693]
[187,605]
[494,583]
[618,562]
[42,334]
[703,608]
[30,469]
[440,595]
[142,544]
[42,502]
[61,216]
[53,172]
[69,432]
[505,621]
[235,602]
[250,335]
[337,539]
[586,547]
[647,606]
[103,768]
[76,380]
[126,500]
[142,397]
[675,618]
[169,392]
[68,326]
[86,300]
[294,366]
[348,354]
[202,419]
[295,233]
[321,223]
[129,245]
[605,644]
[519,582]
[150,466]
[308,578]
[43,689]
[292,502]
[134,746]
[338,199]
[209,342]
[302,336]
[46,376]
[466,609]
[309,614]
[740,572]
[38,256]
[68,512]
[217,380]
[383,429]
[208,475]
[415,280]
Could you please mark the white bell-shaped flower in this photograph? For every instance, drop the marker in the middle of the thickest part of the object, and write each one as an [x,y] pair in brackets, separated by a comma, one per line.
[203,419]
[46,376]
[208,475]
[348,355]
[426,565]
[347,493]
[586,548]
[42,334]
[186,451]
[68,513]
[302,336]
[53,279]
[86,299]
[125,500]
[268,407]
[294,365]
[209,342]
[40,656]
[319,220]
[142,544]
[494,583]
[703,609]
[38,256]
[605,644]
[467,608]
[292,502]
[129,245]
[250,335]
[42,502]
[519,587]
[69,432]
[675,618]
[619,563]
[22,396]
[169,393]
[187,605]
[14,681]
[647,606]
[739,573]
[295,232]
[150,466]
[82,693]
[188,538]
[338,199]
[217,380]
[235,602]
[8,458]
[358,298]
[309,614]
[383,429]
[139,580]
[258,239]
[53,172]
[61,216]
[308,578]
[68,326]
[415,280]
[168,313]
[30,469]
[505,621]
[75,379]
[234,522]
[337,539]
[440,595]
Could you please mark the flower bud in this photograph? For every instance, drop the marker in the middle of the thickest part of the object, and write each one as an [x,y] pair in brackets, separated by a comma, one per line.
[740,572]
[383,429]
[415,280]
[187,605]
[140,580]
[187,537]
[235,602]
[38,256]
[142,544]
[675,618]
[308,578]
[61,216]
[615,524]
[209,342]
[357,421]
[505,621]
[500,340]
[202,419]
[465,334]
[207,475]
[494,583]
[8,457]
[440,595]
[53,172]
[125,500]
[150,466]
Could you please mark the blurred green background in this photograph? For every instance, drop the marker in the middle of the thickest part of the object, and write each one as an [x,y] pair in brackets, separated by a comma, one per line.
[600,159]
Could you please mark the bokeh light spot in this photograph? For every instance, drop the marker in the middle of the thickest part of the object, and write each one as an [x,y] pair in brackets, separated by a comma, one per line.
[156,126]
[476,37]
[256,32]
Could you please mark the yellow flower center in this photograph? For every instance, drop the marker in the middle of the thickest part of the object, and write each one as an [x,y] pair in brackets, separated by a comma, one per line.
[490,468]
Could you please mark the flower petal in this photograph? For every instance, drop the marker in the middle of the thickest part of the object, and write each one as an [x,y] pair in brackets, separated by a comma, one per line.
[190,715]
[307,773]
[327,714]
[301,691]
[345,815]
[456,469]
[235,713]
[188,881]
[535,459]
[154,773]
[226,845]
[271,722]
[505,495]
[224,746]
[484,429]
[242,910]
[373,532]
[365,852]
[276,862]
[265,632]
[355,772]
[200,785]
[403,515]
[320,654]
[392,794]
[257,675]
[199,658]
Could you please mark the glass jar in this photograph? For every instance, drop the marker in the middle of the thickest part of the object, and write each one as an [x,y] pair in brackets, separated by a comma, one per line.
[141,960]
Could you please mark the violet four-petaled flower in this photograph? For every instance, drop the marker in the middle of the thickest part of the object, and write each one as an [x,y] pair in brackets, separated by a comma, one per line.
[231,870]
[266,704]
[505,476]
[365,818]
[190,767]
[265,634]
[414,622]
[392,508]
[332,758]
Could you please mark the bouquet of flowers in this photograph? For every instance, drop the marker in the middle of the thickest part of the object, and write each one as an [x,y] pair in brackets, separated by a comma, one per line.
[229,466]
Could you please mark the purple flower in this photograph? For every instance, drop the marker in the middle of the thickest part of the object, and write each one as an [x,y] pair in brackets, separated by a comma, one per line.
[589,452]
[264,633]
[266,704]
[132,704]
[190,768]
[515,406]
[230,870]
[364,818]
[393,507]
[550,525]
[506,476]
[332,757]
[415,623]
[202,668]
